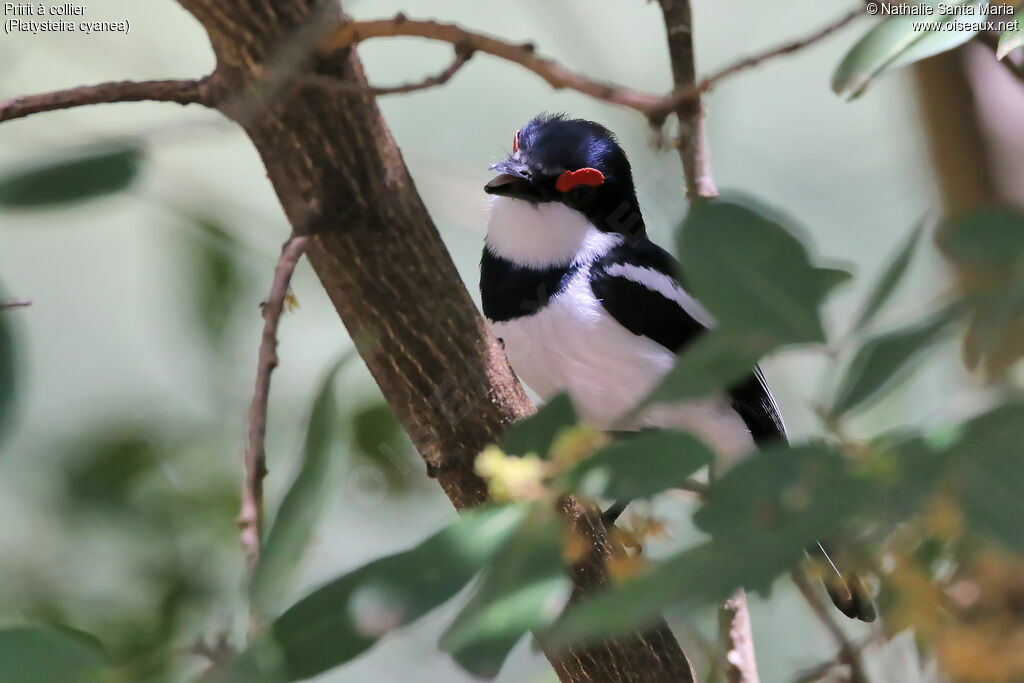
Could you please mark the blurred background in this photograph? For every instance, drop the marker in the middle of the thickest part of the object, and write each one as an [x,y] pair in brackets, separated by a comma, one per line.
[119,475]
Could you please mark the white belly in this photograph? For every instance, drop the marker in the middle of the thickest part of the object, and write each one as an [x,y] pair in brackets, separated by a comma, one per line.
[574,345]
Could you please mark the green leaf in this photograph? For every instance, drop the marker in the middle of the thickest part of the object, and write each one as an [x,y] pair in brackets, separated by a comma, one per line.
[753,274]
[379,438]
[1012,38]
[217,277]
[891,277]
[762,514]
[893,43]
[884,360]
[344,618]
[74,175]
[110,464]
[640,466]
[715,360]
[296,519]
[45,654]
[988,237]
[778,485]
[523,588]
[992,481]
[536,433]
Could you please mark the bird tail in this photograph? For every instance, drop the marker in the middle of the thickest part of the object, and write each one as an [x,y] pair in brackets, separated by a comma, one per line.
[848,592]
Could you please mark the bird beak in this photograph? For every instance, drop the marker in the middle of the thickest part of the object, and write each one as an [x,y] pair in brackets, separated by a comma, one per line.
[515,180]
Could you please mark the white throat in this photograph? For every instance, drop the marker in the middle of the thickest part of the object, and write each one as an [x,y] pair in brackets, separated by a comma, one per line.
[544,235]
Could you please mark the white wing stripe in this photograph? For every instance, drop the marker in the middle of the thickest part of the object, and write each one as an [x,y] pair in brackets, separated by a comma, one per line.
[657,281]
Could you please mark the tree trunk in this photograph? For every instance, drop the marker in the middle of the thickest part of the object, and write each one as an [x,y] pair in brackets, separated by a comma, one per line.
[341,178]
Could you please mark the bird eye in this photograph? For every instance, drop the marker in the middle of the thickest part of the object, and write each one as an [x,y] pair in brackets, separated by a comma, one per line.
[515,143]
[581,194]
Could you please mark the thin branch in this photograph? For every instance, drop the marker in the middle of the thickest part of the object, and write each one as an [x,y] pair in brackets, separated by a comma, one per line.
[462,55]
[190,91]
[654,107]
[693,150]
[15,303]
[555,74]
[250,519]
[848,653]
[685,93]
[738,636]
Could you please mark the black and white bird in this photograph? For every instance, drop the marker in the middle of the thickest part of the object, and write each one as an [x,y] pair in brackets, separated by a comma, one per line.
[586,304]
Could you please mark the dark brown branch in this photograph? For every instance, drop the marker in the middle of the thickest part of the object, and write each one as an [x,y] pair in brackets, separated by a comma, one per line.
[848,653]
[462,55]
[15,303]
[180,91]
[554,73]
[250,518]
[655,107]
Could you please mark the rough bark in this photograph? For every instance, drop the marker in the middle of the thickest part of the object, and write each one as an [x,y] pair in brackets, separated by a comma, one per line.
[341,179]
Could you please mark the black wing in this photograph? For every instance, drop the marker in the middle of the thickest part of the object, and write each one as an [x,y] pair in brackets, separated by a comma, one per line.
[639,285]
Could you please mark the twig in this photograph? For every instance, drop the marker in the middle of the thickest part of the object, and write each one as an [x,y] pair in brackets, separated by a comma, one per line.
[15,303]
[736,632]
[815,673]
[180,91]
[655,107]
[848,653]
[693,150]
[787,48]
[554,73]
[250,519]
[462,55]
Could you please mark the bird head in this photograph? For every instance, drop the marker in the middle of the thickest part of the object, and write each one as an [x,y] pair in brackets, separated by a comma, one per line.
[556,160]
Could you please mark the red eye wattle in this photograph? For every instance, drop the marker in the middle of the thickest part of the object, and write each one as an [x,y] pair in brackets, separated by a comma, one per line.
[582,176]
[515,142]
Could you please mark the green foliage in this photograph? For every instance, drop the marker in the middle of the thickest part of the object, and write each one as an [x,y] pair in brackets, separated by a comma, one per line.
[74,175]
[46,654]
[884,360]
[889,280]
[217,276]
[761,515]
[536,433]
[990,477]
[342,619]
[753,274]
[989,237]
[987,247]
[379,439]
[296,519]
[1012,38]
[893,43]
[757,280]
[109,466]
[717,359]
[639,466]
[524,589]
